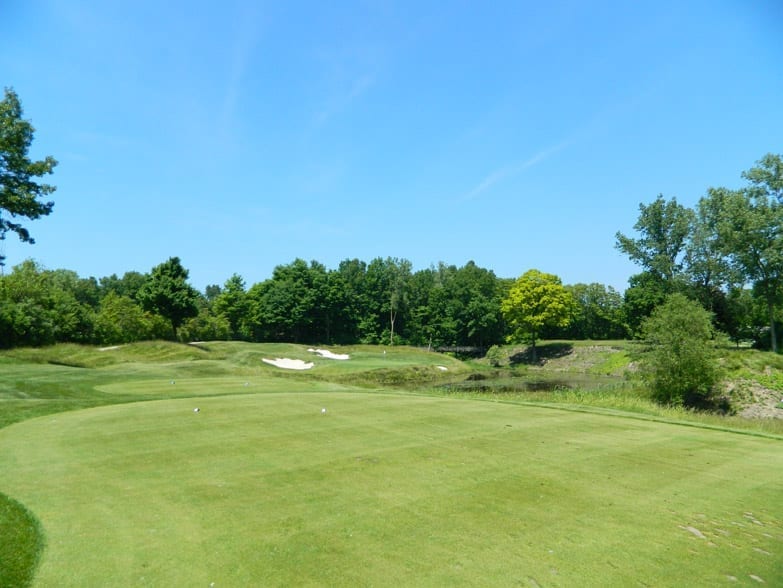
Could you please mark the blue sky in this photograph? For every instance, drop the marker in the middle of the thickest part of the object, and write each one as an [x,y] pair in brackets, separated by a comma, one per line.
[241,135]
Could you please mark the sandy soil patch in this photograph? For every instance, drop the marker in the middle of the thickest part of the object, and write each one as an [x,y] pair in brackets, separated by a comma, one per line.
[762,403]
[329,355]
[289,364]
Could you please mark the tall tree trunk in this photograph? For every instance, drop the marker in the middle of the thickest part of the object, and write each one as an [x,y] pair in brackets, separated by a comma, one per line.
[392,316]
[772,332]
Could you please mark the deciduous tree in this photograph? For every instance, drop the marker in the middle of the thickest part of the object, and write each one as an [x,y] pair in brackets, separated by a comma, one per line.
[168,293]
[536,300]
[750,233]
[664,228]
[232,304]
[20,193]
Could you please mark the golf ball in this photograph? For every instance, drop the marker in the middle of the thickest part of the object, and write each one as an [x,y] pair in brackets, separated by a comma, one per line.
[196,410]
[323,411]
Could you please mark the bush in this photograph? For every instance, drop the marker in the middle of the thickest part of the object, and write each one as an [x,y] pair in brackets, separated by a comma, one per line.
[680,363]
[495,355]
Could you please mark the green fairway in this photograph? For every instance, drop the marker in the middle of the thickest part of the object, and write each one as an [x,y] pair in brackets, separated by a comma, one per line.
[261,488]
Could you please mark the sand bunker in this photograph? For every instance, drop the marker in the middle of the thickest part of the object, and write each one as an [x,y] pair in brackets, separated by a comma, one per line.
[111,348]
[329,355]
[442,368]
[289,364]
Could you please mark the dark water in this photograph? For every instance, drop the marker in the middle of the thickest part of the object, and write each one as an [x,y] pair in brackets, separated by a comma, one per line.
[534,383]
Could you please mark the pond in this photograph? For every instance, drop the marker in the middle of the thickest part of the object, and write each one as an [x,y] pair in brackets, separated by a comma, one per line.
[534,383]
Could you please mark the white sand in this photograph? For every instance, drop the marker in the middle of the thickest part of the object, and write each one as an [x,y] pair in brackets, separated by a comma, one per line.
[442,368]
[329,355]
[109,348]
[289,364]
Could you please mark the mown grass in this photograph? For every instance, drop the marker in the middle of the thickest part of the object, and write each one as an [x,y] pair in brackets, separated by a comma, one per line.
[390,489]
[386,469]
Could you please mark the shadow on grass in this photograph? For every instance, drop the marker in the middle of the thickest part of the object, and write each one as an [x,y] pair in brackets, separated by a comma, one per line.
[544,353]
[21,543]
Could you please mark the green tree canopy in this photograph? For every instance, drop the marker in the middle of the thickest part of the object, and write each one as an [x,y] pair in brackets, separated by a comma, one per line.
[767,177]
[598,313]
[168,293]
[20,194]
[679,364]
[232,303]
[749,231]
[536,300]
[664,228]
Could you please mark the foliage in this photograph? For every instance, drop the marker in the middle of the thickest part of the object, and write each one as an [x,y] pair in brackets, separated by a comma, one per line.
[451,306]
[37,307]
[168,294]
[664,227]
[128,285]
[680,361]
[287,307]
[20,194]
[495,355]
[750,233]
[535,301]
[121,320]
[205,326]
[231,303]
[766,177]
[598,314]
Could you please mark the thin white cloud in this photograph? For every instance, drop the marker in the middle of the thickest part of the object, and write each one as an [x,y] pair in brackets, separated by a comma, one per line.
[511,170]
[246,39]
[341,101]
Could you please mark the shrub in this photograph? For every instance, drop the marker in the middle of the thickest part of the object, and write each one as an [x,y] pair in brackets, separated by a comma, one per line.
[495,355]
[680,363]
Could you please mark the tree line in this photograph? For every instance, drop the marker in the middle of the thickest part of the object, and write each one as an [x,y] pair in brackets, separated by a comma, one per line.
[380,302]
[726,254]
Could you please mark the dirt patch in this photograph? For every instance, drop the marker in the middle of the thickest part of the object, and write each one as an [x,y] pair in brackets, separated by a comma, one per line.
[756,401]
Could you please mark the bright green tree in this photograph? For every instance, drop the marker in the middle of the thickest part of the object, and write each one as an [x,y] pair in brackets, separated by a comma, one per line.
[20,194]
[680,363]
[168,293]
[121,320]
[535,301]
[37,308]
